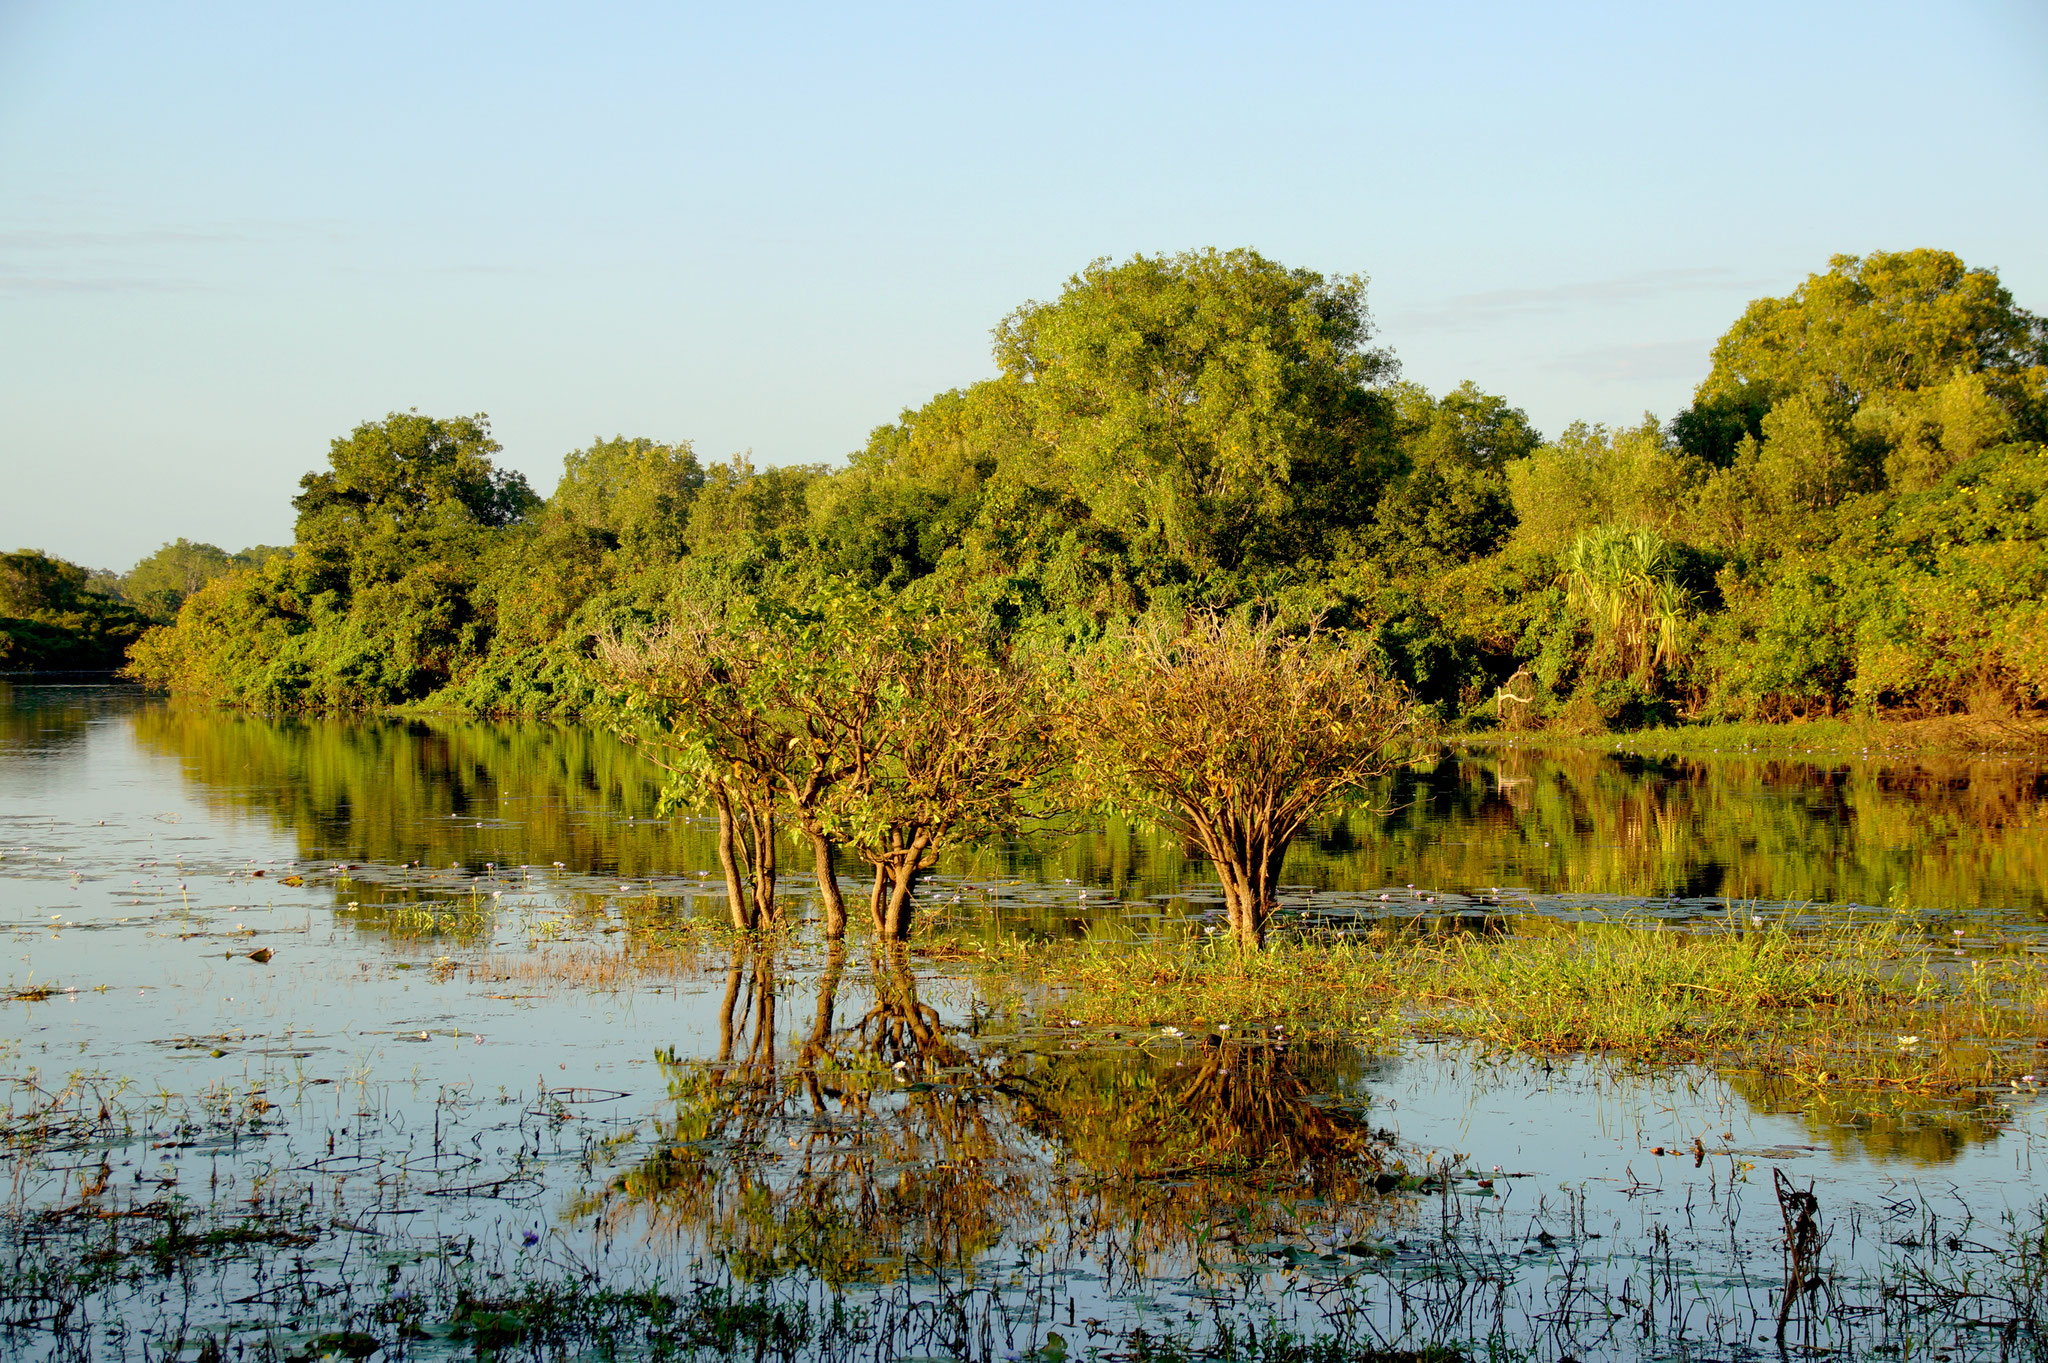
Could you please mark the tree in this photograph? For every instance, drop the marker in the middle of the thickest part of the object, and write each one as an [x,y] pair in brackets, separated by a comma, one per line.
[958,741]
[397,487]
[889,735]
[1636,477]
[1213,407]
[1233,736]
[1886,323]
[637,493]
[762,713]
[159,584]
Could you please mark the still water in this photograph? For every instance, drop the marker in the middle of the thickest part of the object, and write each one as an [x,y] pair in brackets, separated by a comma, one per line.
[421,1000]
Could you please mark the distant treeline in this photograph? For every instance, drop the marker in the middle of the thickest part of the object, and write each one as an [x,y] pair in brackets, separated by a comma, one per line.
[1851,514]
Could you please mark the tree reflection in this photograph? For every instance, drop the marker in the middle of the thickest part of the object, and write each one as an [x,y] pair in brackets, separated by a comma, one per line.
[890,1143]
[1943,833]
[1926,1129]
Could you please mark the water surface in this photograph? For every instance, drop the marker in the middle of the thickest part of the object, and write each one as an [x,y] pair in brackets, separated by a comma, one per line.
[442,1068]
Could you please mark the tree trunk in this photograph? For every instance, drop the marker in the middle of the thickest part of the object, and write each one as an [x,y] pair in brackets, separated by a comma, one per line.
[902,909]
[877,903]
[746,851]
[826,853]
[821,1024]
[732,998]
[1247,892]
[760,851]
[903,865]
[736,896]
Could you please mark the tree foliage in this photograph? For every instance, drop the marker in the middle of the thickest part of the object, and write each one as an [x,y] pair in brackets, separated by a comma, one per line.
[51,618]
[1215,406]
[1848,509]
[1232,735]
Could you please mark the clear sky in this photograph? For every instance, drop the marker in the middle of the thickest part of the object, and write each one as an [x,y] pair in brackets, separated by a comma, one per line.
[229,233]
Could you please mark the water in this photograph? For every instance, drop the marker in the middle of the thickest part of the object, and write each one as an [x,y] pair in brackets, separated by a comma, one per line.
[483,1039]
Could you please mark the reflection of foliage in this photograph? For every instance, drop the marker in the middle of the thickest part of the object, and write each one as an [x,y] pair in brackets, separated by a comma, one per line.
[1259,1108]
[42,717]
[840,1164]
[888,1146]
[1939,833]
[1922,1128]
[395,792]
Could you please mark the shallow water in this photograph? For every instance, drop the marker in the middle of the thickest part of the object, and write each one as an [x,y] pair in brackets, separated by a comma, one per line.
[436,1067]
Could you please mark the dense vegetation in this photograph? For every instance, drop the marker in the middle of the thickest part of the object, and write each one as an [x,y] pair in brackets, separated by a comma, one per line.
[1850,515]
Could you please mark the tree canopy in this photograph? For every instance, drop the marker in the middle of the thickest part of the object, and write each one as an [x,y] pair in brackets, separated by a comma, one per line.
[1850,513]
[1214,405]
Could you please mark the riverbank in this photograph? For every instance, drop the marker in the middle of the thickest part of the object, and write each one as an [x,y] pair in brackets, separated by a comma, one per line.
[1939,735]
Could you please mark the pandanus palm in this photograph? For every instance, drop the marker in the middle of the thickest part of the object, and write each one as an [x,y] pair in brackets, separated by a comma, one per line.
[1625,582]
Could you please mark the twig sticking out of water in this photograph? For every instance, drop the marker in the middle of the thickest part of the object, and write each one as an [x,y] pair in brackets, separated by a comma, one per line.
[1804,1240]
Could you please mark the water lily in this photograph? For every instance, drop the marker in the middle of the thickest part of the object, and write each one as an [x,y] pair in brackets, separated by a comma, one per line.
[1909,1041]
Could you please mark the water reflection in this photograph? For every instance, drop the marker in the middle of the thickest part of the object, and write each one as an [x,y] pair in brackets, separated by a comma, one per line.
[879,1141]
[1678,835]
[42,721]
[1910,1128]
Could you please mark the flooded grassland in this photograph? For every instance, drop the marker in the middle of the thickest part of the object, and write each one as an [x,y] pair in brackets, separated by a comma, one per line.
[421,1040]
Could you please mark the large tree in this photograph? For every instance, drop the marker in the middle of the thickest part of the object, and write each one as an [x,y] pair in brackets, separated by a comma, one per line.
[1868,330]
[1214,407]
[398,489]
[636,493]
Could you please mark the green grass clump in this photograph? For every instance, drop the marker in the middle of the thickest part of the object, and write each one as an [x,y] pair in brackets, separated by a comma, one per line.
[1865,1002]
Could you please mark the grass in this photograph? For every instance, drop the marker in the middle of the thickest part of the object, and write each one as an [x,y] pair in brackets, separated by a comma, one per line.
[1867,1004]
[1949,734]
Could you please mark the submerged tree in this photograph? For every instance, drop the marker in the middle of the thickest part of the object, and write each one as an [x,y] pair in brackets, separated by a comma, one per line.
[887,734]
[763,713]
[1233,735]
[958,742]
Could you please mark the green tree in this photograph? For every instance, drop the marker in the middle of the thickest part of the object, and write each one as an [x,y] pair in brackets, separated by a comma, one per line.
[159,584]
[637,493]
[1450,502]
[763,712]
[398,488]
[1213,408]
[51,619]
[1872,326]
[1635,477]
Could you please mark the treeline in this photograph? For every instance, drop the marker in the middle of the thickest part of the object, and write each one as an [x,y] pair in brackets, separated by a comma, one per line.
[1851,513]
[58,616]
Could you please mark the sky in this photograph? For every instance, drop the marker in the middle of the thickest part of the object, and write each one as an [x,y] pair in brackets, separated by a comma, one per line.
[231,233]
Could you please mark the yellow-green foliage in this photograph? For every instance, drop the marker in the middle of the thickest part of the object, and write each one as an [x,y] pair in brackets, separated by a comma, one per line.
[1824,1001]
[1851,515]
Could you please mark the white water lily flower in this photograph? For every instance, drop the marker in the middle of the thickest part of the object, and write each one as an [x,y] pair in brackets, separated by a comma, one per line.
[1909,1041]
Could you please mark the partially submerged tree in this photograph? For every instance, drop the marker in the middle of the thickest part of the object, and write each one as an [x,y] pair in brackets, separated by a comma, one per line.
[1233,735]
[890,735]
[763,713]
[958,741]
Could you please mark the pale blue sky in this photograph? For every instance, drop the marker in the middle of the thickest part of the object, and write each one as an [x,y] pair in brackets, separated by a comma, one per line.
[228,233]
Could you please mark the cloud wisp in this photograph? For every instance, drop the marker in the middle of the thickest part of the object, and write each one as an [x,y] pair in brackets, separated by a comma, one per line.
[1471,310]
